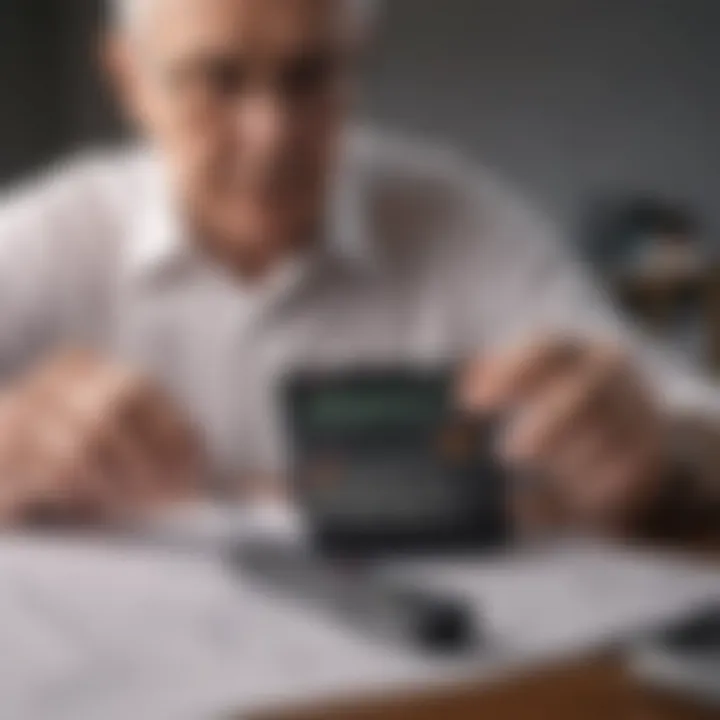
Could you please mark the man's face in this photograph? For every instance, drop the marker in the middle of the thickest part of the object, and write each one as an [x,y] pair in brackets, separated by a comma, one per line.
[245,99]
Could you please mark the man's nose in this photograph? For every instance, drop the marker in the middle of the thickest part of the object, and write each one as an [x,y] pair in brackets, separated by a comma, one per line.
[263,123]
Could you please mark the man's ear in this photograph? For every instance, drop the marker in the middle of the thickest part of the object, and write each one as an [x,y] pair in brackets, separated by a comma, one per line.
[119,67]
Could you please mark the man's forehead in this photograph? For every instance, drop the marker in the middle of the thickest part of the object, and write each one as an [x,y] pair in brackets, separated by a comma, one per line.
[178,27]
[136,14]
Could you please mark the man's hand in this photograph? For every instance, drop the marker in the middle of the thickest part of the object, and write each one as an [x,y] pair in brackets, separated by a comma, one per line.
[579,424]
[82,440]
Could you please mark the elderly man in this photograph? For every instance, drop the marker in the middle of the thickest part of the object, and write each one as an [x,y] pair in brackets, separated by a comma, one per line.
[150,299]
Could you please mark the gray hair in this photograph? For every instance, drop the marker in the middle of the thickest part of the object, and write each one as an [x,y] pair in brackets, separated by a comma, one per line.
[124,12]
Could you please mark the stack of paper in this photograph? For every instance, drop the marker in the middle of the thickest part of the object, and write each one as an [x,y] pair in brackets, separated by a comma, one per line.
[101,631]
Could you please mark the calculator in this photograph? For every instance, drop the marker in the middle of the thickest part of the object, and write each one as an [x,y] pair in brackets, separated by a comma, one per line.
[383,462]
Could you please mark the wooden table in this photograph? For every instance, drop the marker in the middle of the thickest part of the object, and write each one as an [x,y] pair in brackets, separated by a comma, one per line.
[591,688]
[595,689]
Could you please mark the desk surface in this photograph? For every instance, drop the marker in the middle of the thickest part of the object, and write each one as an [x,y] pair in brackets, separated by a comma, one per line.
[597,688]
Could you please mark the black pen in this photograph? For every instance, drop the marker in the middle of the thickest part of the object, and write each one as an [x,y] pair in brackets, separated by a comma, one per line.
[371,603]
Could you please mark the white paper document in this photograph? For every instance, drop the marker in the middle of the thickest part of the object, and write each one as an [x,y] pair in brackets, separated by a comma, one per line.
[573,596]
[98,631]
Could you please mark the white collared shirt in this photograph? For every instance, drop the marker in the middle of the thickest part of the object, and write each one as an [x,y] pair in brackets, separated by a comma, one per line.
[426,260]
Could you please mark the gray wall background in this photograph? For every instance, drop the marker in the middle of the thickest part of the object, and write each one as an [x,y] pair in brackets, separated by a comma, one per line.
[571,100]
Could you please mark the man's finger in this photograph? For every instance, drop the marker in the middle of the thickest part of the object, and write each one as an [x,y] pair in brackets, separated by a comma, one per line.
[610,492]
[496,383]
[99,462]
[555,415]
[81,436]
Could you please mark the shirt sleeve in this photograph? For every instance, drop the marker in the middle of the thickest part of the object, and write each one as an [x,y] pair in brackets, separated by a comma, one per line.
[529,283]
[40,261]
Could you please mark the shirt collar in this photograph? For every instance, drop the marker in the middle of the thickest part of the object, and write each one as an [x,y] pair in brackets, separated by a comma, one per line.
[158,241]
[161,243]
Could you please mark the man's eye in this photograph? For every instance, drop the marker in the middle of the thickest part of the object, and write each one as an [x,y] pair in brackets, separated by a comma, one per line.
[209,78]
[223,79]
[310,75]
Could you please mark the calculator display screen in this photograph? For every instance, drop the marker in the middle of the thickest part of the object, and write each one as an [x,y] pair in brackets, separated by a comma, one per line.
[373,407]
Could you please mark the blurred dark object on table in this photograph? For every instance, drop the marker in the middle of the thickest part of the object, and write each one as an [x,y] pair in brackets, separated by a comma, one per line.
[655,261]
